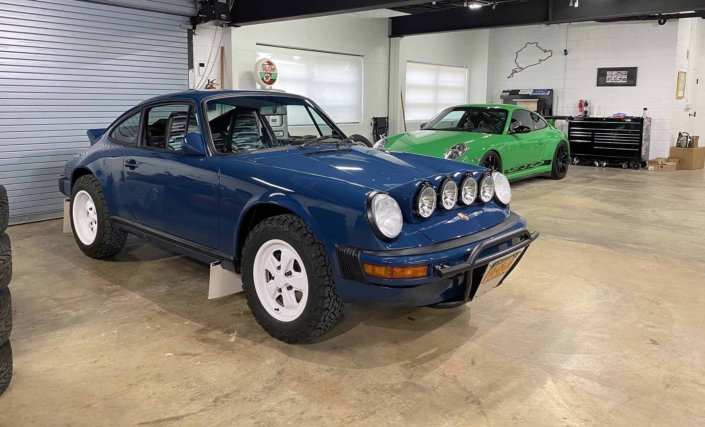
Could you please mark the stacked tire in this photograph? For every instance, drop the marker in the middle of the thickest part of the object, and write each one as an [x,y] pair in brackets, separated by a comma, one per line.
[5,297]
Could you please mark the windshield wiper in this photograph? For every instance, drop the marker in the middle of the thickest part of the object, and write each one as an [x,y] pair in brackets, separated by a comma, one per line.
[320,140]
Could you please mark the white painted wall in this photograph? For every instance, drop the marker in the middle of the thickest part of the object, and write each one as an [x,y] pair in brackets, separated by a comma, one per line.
[357,34]
[658,51]
[464,48]
[207,39]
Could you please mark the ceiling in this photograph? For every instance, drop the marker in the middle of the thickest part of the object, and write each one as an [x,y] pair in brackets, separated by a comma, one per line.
[447,5]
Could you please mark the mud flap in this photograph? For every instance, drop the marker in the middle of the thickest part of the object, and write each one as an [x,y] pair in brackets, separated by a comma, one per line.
[224,281]
[67,219]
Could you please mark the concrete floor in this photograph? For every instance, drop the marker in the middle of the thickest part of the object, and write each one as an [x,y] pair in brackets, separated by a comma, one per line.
[602,324]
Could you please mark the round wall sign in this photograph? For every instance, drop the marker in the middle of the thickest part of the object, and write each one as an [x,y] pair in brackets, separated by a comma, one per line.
[265,72]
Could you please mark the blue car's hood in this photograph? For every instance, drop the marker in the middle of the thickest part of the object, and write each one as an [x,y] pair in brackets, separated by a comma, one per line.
[395,173]
[374,169]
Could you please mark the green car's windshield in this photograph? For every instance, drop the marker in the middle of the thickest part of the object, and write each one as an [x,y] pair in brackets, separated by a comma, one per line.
[470,119]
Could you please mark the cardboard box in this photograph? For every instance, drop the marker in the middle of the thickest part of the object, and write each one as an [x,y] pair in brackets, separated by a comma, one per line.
[690,158]
[662,164]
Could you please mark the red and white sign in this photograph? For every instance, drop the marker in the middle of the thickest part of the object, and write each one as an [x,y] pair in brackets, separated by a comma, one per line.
[266,72]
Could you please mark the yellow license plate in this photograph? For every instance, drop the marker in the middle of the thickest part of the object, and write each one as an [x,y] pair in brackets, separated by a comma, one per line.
[500,267]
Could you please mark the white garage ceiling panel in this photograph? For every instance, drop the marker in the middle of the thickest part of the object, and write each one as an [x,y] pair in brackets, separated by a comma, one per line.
[67,66]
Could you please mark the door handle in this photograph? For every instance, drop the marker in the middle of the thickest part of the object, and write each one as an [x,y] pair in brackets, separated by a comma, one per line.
[131,163]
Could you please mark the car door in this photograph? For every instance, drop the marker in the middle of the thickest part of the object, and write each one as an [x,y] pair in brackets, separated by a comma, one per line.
[524,148]
[542,133]
[171,192]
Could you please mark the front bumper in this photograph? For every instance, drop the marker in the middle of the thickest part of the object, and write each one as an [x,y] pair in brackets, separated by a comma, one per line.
[456,268]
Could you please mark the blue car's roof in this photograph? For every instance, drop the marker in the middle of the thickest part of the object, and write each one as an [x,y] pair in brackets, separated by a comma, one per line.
[199,95]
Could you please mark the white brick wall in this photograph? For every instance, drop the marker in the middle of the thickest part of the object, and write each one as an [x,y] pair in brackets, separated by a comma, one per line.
[658,52]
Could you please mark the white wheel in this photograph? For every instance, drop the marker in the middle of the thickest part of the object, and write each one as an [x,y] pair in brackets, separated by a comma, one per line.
[280,280]
[85,217]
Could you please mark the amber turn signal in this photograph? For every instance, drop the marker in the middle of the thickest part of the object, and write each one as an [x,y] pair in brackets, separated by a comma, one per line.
[388,272]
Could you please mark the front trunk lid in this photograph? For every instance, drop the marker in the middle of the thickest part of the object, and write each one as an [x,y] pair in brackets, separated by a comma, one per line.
[398,174]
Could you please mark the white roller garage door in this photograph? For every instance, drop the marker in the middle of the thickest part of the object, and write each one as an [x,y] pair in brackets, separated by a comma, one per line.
[67,66]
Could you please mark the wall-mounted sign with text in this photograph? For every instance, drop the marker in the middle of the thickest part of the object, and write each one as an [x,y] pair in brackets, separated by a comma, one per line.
[265,73]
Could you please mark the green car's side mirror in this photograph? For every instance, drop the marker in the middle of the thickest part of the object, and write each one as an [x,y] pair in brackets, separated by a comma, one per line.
[520,129]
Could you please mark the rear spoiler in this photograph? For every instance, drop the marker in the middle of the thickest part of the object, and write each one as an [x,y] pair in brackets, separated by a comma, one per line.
[552,119]
[95,134]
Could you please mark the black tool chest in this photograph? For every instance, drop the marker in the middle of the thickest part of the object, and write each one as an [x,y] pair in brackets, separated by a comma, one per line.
[606,139]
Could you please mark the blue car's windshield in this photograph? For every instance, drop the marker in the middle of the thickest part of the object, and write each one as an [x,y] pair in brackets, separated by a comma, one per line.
[249,123]
[470,119]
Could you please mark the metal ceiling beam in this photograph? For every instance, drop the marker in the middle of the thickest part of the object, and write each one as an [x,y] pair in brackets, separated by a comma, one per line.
[535,12]
[247,12]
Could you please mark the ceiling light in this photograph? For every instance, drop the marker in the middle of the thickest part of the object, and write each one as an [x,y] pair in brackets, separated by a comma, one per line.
[475,6]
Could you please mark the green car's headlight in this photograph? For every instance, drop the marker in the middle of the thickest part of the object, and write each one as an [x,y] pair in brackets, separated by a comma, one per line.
[382,143]
[502,189]
[454,152]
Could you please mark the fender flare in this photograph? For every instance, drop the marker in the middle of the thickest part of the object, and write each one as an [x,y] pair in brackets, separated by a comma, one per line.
[284,202]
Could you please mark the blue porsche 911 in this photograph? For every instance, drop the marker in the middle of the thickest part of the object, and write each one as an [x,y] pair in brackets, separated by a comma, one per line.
[266,184]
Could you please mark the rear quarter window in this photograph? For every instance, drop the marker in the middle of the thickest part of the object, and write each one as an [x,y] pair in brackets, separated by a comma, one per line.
[127,131]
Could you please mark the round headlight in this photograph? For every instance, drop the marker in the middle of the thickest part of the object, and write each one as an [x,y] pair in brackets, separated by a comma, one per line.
[468,190]
[382,143]
[454,152]
[426,201]
[502,190]
[385,216]
[486,189]
[449,194]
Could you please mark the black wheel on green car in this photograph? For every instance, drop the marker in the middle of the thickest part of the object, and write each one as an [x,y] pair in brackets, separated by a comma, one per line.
[491,160]
[561,161]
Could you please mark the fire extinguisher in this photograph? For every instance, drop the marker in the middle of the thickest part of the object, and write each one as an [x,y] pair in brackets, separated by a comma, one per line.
[580,108]
[211,84]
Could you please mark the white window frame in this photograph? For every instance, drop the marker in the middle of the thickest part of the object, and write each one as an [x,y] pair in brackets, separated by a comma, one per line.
[439,106]
[270,51]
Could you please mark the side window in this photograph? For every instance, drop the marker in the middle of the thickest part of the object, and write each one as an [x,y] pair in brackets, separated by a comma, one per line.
[166,127]
[521,118]
[539,123]
[193,123]
[127,131]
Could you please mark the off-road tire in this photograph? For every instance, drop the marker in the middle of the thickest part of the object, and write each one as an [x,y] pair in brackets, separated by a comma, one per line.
[555,173]
[4,209]
[5,315]
[323,307]
[109,240]
[5,261]
[498,157]
[5,366]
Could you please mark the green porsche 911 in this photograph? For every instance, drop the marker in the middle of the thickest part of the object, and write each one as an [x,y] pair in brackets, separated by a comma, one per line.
[507,138]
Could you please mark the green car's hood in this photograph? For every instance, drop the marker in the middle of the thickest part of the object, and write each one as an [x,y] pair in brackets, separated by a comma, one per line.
[433,142]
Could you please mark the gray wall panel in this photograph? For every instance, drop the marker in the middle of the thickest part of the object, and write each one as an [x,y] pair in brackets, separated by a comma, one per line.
[67,66]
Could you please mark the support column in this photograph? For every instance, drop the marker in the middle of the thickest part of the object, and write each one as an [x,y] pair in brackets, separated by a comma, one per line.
[397,77]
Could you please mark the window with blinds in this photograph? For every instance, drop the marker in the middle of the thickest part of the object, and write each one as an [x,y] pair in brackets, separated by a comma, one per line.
[334,81]
[432,88]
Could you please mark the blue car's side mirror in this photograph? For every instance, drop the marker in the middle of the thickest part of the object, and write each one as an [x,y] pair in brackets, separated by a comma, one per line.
[194,145]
